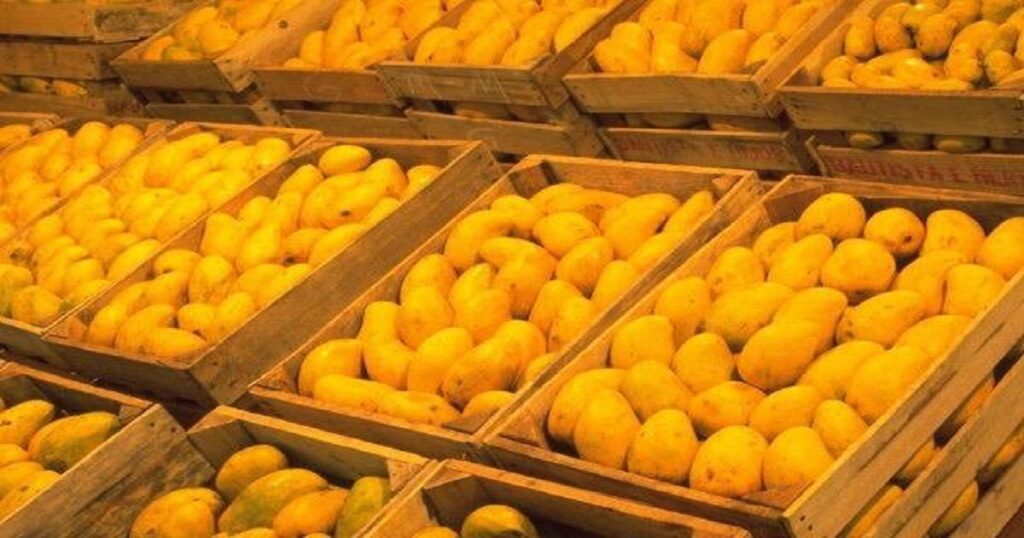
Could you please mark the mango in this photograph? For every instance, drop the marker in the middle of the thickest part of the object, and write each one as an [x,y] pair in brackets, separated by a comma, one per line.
[361,394]
[821,306]
[483,314]
[917,463]
[574,395]
[466,237]
[1001,251]
[703,361]
[19,423]
[729,462]
[246,466]
[497,520]
[737,315]
[884,379]
[189,520]
[594,440]
[685,303]
[560,232]
[935,335]
[836,215]
[951,229]
[27,491]
[734,268]
[971,289]
[367,497]
[17,474]
[926,275]
[784,409]
[957,512]
[897,229]
[777,355]
[726,404]
[859,268]
[338,357]
[487,367]
[387,361]
[574,317]
[664,448]
[796,457]
[263,498]
[61,444]
[435,357]
[651,386]
[423,312]
[875,509]
[799,265]
[831,372]
[882,318]
[488,403]
[838,425]
[583,265]
[644,338]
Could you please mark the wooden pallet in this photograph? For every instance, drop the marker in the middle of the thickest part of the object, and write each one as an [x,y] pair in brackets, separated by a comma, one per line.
[223,372]
[148,437]
[993,172]
[826,507]
[232,70]
[104,99]
[987,112]
[27,340]
[735,95]
[60,59]
[957,464]
[539,84]
[778,152]
[276,394]
[353,125]
[454,489]
[568,132]
[90,22]
[219,435]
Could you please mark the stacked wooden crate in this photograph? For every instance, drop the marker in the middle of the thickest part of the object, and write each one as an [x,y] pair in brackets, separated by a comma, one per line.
[832,114]
[220,88]
[830,505]
[733,120]
[514,110]
[56,56]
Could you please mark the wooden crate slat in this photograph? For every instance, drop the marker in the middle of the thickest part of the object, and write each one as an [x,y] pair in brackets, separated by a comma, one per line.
[323,85]
[516,137]
[781,152]
[352,125]
[996,507]
[90,22]
[99,103]
[79,61]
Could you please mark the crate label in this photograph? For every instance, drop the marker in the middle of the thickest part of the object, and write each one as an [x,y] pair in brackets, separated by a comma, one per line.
[764,155]
[929,168]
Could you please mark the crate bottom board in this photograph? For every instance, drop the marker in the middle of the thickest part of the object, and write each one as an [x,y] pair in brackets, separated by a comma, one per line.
[352,125]
[246,114]
[113,103]
[994,172]
[775,152]
[514,137]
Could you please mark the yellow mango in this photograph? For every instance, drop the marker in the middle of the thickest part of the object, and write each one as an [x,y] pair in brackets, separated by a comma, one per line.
[173,344]
[560,232]
[629,231]
[264,497]
[488,403]
[936,334]
[891,35]
[211,280]
[344,391]
[772,241]
[968,409]
[737,315]
[723,405]
[935,35]
[796,457]
[971,289]
[337,357]
[798,266]
[859,268]
[574,395]
[883,379]
[651,386]
[874,510]
[729,462]
[703,361]
[859,41]
[1001,251]
[597,443]
[882,318]
[664,448]
[310,513]
[957,512]
[486,368]
[524,276]
[387,361]
[615,280]
[1003,458]
[246,466]
[897,229]
[549,300]
[777,355]
[715,18]
[832,371]
[583,264]
[726,53]
[463,244]
[838,425]
[423,312]
[837,215]
[927,276]
[644,338]
[574,317]
[418,408]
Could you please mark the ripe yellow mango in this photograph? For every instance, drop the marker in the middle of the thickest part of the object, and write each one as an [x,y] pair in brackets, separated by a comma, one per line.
[488,403]
[726,53]
[772,241]
[798,266]
[882,318]
[574,317]
[664,447]
[729,462]
[957,512]
[838,425]
[970,289]
[874,510]
[737,315]
[832,371]
[777,355]
[560,232]
[796,457]
[651,386]
[310,513]
[334,357]
[859,268]
[594,440]
[387,361]
[1001,251]
[423,312]
[487,367]
[482,314]
[173,344]
[463,244]
[549,301]
[246,466]
[418,408]
[264,497]
[837,215]
[927,276]
[434,358]
[572,397]
[735,268]
[583,264]
[525,275]
[345,391]
[936,334]
[644,338]
[883,379]
[897,229]
[726,404]
[785,409]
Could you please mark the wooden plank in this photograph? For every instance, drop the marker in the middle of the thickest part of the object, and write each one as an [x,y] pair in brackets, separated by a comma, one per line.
[535,85]
[778,152]
[513,137]
[997,507]
[90,22]
[222,373]
[456,488]
[323,85]
[994,172]
[275,392]
[113,102]
[986,112]
[338,124]
[230,71]
[835,499]
[957,465]
[242,114]
[752,94]
[79,61]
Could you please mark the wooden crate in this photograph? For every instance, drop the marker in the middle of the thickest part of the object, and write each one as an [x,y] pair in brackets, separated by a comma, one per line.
[60,59]
[224,371]
[27,340]
[782,151]
[993,172]
[232,70]
[104,99]
[735,95]
[957,464]
[826,507]
[539,84]
[276,394]
[454,489]
[569,133]
[348,124]
[88,21]
[131,458]
[989,112]
[220,434]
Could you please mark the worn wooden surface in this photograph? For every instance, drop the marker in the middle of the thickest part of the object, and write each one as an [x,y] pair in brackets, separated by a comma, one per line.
[90,22]
[349,125]
[80,61]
